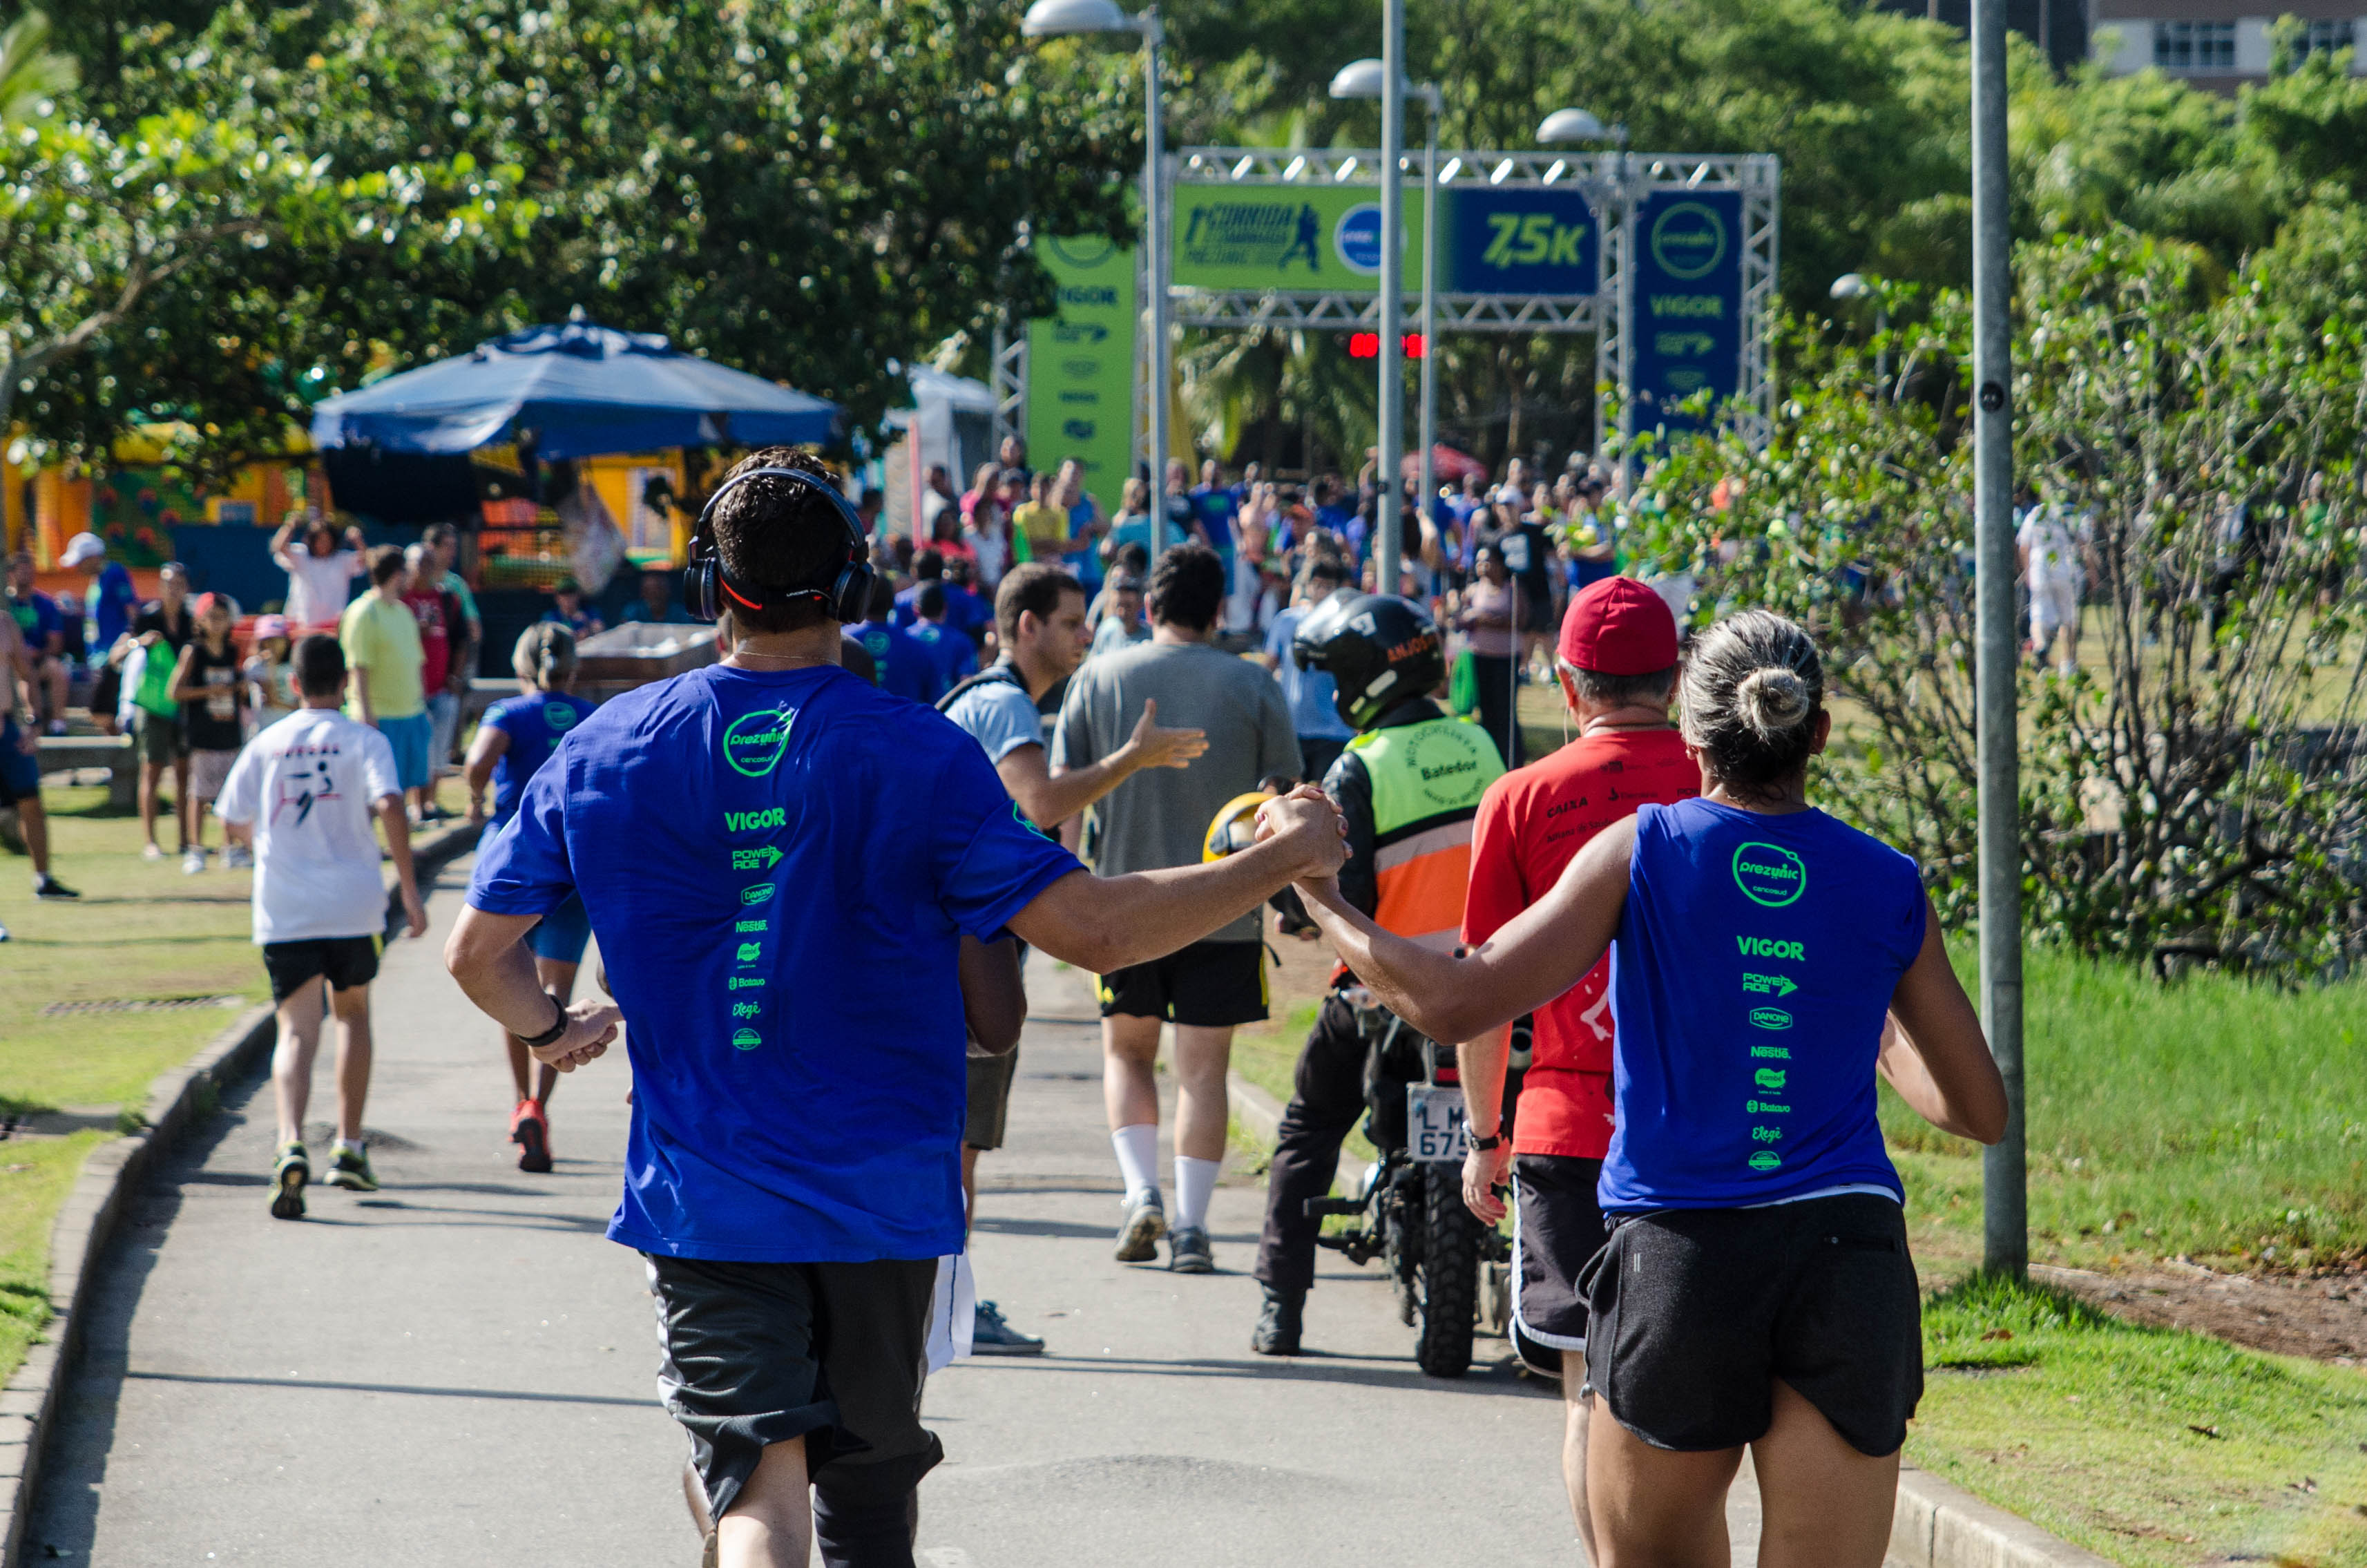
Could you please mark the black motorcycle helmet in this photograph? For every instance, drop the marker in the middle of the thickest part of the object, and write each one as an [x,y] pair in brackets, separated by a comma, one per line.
[1378,649]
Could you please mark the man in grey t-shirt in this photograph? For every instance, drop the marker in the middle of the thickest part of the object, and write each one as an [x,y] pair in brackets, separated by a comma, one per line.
[1039,621]
[1157,821]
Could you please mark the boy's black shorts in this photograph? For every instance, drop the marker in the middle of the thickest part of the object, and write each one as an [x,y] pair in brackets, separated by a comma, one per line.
[1694,1312]
[344,962]
[760,1353]
[1205,985]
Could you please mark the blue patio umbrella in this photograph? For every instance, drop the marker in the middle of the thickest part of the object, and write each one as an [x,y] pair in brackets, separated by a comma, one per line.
[581,389]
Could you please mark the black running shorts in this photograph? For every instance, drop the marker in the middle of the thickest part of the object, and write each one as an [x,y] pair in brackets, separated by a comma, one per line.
[1694,1311]
[1556,1229]
[762,1353]
[344,962]
[1205,985]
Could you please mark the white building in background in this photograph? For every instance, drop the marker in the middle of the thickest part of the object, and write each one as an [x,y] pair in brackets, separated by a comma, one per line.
[2218,44]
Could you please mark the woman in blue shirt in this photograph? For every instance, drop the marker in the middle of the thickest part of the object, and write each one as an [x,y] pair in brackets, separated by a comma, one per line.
[517,736]
[1767,963]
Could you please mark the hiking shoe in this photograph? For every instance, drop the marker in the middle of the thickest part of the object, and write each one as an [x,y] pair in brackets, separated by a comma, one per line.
[1278,1324]
[530,1130]
[1139,1233]
[1189,1252]
[47,886]
[990,1335]
[351,1169]
[289,1174]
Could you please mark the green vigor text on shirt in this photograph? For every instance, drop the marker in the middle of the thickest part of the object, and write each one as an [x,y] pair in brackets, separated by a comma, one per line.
[754,746]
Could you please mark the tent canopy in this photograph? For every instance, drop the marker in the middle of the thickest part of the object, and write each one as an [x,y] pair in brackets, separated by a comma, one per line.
[582,390]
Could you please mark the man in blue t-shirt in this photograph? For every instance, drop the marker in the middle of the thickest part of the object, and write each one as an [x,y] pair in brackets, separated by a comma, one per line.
[1214,507]
[1322,734]
[902,664]
[781,864]
[955,655]
[111,601]
[965,611]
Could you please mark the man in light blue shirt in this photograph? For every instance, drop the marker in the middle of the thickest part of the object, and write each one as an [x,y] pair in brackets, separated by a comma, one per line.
[1322,734]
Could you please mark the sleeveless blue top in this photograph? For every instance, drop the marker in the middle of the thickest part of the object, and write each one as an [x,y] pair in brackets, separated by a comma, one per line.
[1749,978]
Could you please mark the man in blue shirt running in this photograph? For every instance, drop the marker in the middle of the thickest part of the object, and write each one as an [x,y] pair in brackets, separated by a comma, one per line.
[955,655]
[905,666]
[782,865]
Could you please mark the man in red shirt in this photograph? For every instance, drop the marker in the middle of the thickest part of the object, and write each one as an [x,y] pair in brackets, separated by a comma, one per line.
[1617,662]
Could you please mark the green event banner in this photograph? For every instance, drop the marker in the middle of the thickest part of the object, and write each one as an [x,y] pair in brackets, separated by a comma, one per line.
[1327,239]
[1081,365]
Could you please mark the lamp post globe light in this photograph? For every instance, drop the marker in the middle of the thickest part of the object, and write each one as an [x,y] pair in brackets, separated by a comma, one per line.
[1578,125]
[1367,79]
[1064,19]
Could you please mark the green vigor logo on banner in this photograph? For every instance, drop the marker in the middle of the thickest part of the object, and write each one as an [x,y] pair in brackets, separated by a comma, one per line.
[753,743]
[1770,875]
[1688,241]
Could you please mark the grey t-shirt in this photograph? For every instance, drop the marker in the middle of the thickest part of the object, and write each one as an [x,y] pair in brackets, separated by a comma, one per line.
[1158,817]
[999,717]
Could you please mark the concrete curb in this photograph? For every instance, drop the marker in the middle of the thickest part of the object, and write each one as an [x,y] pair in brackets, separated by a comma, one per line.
[177,1100]
[1937,1525]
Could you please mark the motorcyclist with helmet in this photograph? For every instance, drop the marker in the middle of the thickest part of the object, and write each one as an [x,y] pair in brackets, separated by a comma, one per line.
[1408,786]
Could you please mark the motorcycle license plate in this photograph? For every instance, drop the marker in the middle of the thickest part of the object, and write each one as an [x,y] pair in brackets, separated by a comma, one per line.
[1434,1122]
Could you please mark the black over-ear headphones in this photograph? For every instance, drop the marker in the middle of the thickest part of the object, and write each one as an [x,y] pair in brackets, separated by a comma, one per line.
[708,590]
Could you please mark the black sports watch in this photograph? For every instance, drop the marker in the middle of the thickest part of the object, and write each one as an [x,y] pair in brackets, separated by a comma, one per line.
[550,1035]
[1493,1141]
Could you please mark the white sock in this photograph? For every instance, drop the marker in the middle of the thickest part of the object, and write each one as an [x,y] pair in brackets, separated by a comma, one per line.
[1194,1180]
[1137,1157]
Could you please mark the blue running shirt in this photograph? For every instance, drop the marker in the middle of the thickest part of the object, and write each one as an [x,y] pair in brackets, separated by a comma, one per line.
[1753,969]
[778,866]
[535,723]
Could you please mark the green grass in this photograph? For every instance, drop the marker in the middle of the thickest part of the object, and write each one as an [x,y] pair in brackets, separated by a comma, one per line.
[142,929]
[2146,1446]
[34,1180]
[2213,1117]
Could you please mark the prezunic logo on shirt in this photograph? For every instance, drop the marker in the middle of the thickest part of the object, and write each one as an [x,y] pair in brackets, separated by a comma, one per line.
[753,743]
[1769,874]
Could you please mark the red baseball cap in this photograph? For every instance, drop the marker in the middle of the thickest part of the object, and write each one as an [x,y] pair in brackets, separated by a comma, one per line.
[1618,627]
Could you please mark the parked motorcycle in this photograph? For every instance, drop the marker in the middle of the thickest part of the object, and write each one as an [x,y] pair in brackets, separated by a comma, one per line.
[1452,1274]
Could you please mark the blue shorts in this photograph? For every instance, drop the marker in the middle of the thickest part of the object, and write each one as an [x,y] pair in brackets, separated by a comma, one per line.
[561,935]
[20,774]
[410,738]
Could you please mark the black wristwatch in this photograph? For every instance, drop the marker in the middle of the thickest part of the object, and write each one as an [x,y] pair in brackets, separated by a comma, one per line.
[1493,1141]
[550,1035]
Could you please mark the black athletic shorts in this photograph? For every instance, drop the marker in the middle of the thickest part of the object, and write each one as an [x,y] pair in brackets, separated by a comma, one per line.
[1206,985]
[761,1353]
[990,1098]
[1557,1230]
[1694,1311]
[344,962]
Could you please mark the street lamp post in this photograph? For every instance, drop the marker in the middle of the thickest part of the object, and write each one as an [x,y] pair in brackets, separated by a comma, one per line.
[1387,530]
[1060,18]
[1361,79]
[1566,125]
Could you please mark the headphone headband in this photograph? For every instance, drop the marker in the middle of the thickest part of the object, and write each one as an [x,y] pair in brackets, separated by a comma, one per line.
[706,585]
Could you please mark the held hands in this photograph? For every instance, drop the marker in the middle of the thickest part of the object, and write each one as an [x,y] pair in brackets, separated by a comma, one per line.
[1153,745]
[591,1026]
[1483,1174]
[1310,825]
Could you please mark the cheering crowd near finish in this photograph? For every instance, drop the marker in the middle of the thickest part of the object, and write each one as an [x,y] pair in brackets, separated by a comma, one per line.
[812,898]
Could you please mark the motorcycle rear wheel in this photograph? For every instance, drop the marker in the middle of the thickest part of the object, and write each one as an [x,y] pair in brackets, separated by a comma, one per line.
[1450,1276]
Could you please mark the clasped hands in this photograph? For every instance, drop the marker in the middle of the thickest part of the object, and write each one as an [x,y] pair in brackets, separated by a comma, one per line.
[1308,823]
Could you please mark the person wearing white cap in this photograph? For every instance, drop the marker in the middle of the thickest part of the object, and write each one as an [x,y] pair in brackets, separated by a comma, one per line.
[111,601]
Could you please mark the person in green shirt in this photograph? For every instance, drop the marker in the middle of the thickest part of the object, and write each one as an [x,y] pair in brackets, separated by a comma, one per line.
[380,637]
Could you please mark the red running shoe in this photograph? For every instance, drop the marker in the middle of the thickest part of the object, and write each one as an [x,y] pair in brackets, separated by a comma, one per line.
[530,1130]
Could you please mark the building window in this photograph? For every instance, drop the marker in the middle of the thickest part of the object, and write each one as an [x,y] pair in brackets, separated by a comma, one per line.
[2195,46]
[2326,37]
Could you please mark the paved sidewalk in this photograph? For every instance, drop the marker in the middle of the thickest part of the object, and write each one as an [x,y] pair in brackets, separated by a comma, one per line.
[458,1368]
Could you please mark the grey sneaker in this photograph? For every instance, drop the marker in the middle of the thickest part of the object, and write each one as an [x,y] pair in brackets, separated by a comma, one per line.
[1189,1253]
[1139,1233]
[990,1335]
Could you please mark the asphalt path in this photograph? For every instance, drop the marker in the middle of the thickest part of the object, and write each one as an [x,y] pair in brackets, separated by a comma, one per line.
[459,1368]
